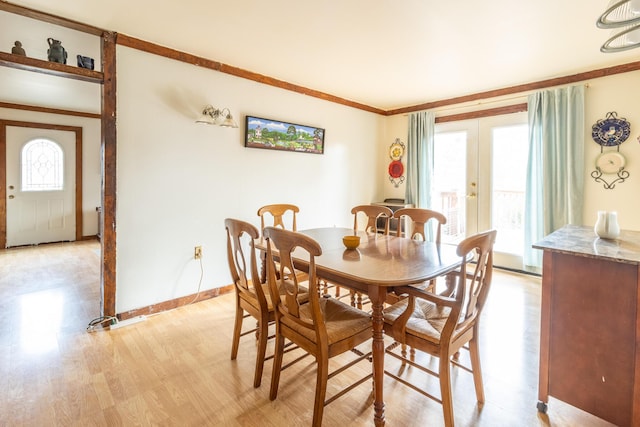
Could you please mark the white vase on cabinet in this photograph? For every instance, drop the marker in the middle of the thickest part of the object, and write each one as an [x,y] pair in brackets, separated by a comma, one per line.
[607,225]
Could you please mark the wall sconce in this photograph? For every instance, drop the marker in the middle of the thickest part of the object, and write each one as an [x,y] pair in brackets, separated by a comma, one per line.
[216,116]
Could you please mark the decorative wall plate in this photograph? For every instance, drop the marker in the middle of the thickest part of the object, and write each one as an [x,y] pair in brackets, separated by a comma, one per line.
[396,150]
[610,162]
[611,131]
[396,169]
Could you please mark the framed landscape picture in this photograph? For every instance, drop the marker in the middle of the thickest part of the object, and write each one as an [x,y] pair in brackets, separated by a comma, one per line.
[278,135]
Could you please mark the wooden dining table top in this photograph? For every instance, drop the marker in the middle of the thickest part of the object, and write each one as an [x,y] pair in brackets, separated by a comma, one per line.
[380,260]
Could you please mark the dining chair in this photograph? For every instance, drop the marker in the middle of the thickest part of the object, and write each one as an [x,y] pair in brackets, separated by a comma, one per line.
[443,325]
[279,215]
[324,327]
[252,294]
[373,214]
[419,218]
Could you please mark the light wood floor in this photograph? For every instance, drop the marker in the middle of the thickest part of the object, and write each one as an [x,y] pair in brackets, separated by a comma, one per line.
[174,369]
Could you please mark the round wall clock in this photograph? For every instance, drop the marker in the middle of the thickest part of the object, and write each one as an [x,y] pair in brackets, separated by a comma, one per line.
[611,131]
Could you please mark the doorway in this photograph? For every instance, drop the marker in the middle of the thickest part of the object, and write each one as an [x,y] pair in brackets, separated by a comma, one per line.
[24,222]
[479,181]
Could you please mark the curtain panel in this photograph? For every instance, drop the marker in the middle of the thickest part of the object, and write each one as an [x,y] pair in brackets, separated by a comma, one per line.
[555,171]
[420,158]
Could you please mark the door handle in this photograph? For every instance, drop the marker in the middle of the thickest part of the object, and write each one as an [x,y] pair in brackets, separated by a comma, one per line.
[11,196]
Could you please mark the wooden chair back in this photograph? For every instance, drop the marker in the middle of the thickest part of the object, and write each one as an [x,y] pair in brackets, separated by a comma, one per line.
[474,279]
[324,327]
[373,213]
[441,325]
[282,281]
[241,256]
[419,217]
[278,213]
[249,290]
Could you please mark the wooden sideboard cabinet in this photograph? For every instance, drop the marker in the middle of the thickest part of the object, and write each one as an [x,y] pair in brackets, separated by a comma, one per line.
[590,323]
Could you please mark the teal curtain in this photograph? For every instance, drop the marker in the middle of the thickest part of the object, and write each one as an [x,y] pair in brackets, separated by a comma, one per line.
[420,158]
[555,170]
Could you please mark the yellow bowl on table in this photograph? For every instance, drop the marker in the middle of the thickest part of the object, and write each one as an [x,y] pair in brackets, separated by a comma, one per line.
[351,242]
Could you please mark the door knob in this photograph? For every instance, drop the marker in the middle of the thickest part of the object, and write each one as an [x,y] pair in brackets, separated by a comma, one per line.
[11,196]
[471,196]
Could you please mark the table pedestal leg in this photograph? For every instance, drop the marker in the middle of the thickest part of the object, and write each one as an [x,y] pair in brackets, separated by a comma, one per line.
[377,296]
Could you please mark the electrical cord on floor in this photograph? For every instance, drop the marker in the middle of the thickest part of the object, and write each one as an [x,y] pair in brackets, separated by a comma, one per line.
[199,283]
[112,320]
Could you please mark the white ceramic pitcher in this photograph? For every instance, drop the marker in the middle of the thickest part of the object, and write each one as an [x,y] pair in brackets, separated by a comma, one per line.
[607,225]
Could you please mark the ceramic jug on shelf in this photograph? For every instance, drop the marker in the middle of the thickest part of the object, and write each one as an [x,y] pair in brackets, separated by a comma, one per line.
[56,53]
[607,225]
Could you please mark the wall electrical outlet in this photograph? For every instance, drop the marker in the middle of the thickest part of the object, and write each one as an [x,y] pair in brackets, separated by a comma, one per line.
[197,253]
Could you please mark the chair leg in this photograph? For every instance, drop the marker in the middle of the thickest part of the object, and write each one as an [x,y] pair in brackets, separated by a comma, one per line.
[237,328]
[263,334]
[277,366]
[445,390]
[474,354]
[321,389]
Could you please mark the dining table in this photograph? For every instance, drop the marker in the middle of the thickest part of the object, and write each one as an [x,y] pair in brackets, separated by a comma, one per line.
[380,263]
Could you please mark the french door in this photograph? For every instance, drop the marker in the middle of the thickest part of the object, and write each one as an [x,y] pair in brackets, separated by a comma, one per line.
[479,181]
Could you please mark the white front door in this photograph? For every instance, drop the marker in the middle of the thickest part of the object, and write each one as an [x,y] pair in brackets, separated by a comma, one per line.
[40,186]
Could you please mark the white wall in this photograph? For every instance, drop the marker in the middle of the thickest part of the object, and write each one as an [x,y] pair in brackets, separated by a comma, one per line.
[178,181]
[619,93]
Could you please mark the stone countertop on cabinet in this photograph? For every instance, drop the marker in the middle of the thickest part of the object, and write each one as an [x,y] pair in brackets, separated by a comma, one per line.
[582,241]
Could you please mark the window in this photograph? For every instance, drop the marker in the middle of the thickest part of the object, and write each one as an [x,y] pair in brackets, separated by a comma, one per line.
[448,188]
[42,166]
[509,167]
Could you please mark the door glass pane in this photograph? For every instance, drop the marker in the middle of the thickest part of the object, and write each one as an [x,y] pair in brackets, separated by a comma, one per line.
[509,164]
[42,166]
[449,183]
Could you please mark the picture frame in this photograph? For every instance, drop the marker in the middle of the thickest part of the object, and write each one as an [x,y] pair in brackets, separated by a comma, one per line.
[285,136]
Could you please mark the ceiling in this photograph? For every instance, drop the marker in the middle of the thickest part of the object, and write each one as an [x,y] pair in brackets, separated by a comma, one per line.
[381,53]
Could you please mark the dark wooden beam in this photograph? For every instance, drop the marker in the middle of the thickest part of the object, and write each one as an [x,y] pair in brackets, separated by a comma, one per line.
[516,108]
[49,110]
[527,87]
[79,185]
[109,156]
[47,17]
[175,303]
[155,49]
